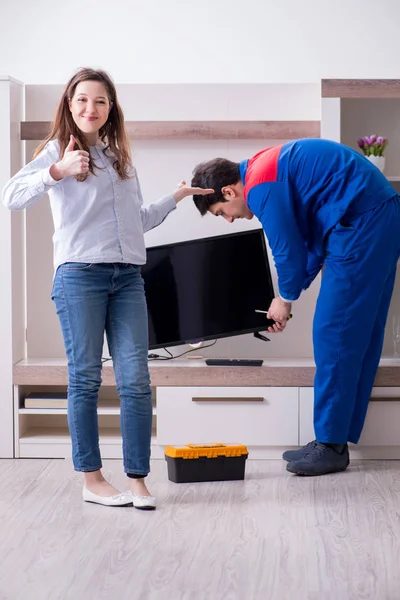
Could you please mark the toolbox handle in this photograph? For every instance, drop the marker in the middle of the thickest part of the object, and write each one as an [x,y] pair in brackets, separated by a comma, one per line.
[202,446]
[227,399]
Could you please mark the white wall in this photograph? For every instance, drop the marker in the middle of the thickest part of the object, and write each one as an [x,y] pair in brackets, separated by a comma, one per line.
[183,41]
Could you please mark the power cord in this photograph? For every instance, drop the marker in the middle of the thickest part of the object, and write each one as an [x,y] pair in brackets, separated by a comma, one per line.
[171,356]
[153,356]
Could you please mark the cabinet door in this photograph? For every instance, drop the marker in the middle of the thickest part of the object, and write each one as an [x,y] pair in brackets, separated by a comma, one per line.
[254,416]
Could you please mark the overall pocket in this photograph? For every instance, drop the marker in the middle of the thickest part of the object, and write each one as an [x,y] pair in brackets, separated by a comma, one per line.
[341,240]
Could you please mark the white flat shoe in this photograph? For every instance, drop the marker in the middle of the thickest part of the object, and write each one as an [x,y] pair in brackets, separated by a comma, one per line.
[143,502]
[124,499]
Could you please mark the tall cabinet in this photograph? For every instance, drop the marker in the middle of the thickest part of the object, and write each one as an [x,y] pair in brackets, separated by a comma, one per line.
[354,108]
[12,276]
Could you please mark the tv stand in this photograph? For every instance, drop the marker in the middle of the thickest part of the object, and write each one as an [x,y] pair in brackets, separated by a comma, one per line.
[193,402]
[233,362]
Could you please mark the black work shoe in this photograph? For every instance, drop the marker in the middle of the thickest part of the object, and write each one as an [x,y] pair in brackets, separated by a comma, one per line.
[293,455]
[321,459]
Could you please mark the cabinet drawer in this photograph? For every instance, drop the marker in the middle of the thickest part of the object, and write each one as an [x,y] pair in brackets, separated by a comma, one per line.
[256,416]
[382,424]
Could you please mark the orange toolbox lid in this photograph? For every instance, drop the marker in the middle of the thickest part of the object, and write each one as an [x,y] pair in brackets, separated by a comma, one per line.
[206,450]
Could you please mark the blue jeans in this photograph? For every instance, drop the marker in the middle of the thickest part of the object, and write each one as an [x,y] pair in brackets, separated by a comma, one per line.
[91,299]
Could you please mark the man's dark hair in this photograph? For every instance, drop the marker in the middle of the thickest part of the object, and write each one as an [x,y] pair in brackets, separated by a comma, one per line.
[214,174]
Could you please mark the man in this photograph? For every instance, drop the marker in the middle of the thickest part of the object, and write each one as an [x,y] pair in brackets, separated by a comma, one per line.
[321,203]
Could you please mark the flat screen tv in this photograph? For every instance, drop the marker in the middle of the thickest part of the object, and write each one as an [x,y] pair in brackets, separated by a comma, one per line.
[207,289]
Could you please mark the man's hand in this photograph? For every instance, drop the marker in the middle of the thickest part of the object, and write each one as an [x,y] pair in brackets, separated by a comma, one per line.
[279,312]
[184,190]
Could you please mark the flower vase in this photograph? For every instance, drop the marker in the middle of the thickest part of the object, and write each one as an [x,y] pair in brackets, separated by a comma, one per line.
[378,161]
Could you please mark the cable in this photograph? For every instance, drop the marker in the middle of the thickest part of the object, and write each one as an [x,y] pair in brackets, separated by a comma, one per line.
[171,356]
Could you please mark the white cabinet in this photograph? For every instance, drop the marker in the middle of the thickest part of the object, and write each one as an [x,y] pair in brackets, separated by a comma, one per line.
[223,407]
[306,413]
[381,434]
[254,416]
[12,273]
[382,425]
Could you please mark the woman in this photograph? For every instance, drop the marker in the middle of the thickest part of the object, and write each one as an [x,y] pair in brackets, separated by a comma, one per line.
[85,167]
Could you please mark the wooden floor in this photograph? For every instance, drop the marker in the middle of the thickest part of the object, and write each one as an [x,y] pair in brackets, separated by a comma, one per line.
[271,537]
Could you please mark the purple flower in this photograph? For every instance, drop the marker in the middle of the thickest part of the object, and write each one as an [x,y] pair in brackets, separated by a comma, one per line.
[372,145]
[369,140]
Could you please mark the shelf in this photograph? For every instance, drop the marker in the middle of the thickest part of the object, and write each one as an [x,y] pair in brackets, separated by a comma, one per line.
[360,88]
[50,435]
[284,372]
[53,435]
[55,442]
[103,410]
[198,130]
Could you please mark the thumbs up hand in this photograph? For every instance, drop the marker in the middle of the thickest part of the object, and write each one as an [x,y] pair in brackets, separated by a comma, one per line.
[74,162]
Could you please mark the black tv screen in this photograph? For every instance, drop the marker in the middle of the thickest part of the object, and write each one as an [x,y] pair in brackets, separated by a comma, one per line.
[207,288]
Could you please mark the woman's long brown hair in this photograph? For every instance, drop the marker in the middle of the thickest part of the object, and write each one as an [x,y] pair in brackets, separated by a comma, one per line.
[113,131]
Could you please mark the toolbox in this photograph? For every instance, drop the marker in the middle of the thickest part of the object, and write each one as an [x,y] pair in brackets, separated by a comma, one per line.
[208,462]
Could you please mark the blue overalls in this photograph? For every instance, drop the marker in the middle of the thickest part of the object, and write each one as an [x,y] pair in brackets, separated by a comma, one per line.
[322,203]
